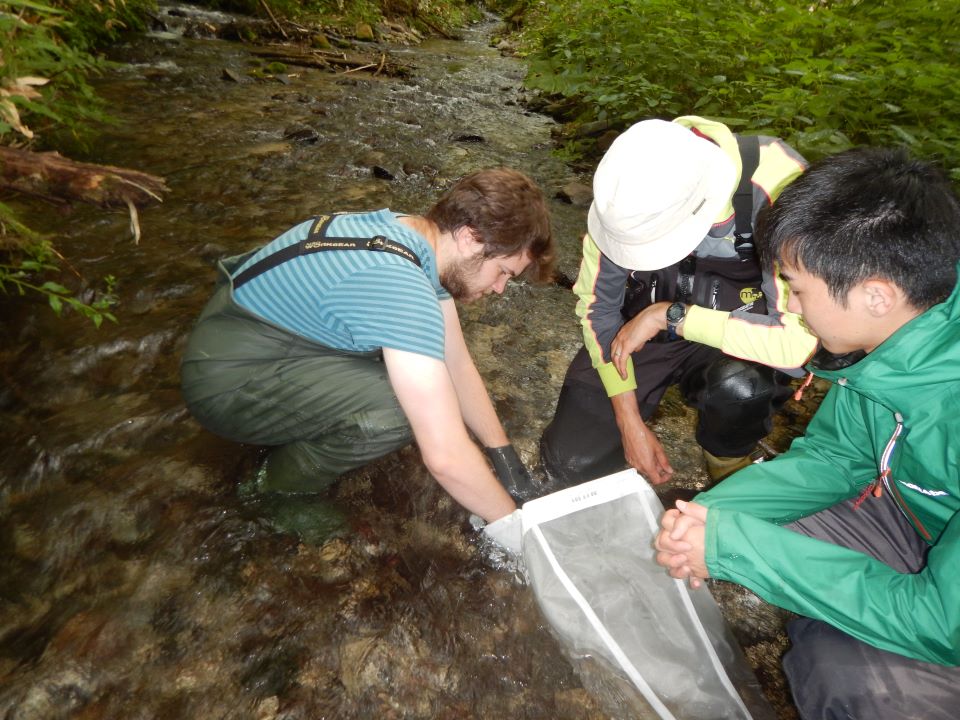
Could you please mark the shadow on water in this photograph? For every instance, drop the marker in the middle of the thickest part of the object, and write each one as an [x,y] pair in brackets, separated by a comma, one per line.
[135,580]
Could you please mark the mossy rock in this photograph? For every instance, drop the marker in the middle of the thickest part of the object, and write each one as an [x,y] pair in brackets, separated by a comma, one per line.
[364,31]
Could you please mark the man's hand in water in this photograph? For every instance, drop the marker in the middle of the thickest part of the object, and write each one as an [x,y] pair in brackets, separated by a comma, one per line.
[641,448]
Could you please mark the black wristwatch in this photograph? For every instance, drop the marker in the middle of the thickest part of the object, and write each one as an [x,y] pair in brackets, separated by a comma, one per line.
[675,315]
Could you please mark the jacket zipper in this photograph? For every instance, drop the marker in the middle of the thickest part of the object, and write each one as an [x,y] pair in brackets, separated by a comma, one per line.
[885,479]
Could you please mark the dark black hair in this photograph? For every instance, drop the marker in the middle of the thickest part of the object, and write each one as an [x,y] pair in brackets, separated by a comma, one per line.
[869,213]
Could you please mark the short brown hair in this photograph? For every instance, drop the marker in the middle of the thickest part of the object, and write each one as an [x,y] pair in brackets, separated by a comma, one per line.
[506,211]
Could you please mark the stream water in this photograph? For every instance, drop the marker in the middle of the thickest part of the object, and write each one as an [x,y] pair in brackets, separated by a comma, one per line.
[134,581]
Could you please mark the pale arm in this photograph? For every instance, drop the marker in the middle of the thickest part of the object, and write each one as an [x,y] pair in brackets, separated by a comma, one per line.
[476,408]
[428,398]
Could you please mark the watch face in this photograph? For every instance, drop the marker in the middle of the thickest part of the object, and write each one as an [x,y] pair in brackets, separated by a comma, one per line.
[675,312]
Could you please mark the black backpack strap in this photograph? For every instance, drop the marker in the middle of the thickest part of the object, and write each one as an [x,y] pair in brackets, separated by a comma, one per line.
[749,146]
[317,241]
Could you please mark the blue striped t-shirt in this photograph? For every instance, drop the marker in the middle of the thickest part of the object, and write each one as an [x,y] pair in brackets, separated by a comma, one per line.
[357,300]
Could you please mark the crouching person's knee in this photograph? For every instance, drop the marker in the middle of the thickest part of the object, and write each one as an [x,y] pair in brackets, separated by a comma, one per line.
[826,674]
[834,676]
[736,404]
[737,386]
[312,464]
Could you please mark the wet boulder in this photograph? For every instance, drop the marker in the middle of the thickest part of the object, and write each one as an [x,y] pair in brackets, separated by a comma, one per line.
[576,193]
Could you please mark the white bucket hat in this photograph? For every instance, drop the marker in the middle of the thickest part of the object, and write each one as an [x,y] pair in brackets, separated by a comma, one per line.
[656,192]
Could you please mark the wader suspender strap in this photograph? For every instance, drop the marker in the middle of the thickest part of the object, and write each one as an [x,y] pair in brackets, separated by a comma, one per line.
[316,241]
[749,146]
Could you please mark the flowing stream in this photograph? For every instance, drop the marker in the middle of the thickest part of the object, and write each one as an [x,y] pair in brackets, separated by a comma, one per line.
[134,581]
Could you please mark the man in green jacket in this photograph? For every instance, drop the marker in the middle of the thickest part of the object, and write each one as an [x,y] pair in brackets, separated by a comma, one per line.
[856,528]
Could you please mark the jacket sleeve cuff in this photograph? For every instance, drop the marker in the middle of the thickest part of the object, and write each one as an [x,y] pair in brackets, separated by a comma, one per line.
[613,383]
[705,326]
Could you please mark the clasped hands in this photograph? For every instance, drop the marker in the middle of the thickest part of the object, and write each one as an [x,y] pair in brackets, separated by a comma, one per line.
[680,542]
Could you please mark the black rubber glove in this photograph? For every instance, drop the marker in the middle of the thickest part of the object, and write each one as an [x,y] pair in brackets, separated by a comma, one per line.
[512,474]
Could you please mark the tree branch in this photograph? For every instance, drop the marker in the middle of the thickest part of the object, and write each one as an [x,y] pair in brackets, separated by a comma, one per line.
[53,177]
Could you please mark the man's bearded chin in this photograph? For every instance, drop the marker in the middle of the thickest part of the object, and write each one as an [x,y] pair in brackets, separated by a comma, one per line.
[454,278]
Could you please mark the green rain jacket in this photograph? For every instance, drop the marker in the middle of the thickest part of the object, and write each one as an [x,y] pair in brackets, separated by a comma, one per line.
[897,409]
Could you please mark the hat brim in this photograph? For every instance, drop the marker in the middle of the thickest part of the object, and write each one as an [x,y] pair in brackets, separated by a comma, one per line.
[671,247]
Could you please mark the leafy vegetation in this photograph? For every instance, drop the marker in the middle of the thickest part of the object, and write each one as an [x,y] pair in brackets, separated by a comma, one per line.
[825,75]
[48,58]
[21,272]
[425,15]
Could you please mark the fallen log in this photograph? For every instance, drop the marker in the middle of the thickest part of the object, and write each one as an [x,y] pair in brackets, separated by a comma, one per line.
[59,180]
[325,59]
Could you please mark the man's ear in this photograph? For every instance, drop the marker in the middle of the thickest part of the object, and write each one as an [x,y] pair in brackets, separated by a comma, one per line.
[881,296]
[467,241]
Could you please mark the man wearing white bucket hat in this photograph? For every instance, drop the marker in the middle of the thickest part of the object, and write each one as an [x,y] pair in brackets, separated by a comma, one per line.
[671,291]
